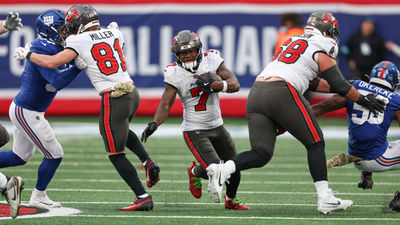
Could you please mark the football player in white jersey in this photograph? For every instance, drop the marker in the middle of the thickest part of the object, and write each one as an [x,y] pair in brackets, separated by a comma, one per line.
[10,187]
[101,49]
[202,126]
[276,98]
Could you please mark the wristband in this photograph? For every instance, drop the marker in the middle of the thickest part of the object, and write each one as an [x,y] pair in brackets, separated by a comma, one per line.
[28,56]
[225,87]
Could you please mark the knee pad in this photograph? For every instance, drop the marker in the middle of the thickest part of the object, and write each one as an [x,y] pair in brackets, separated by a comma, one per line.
[56,150]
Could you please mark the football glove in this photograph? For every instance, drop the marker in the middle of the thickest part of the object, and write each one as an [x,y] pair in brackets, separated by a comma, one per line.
[80,63]
[21,53]
[113,25]
[372,103]
[12,22]
[150,129]
[204,82]
[121,89]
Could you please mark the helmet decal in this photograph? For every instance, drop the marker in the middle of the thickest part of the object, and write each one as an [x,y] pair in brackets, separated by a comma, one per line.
[73,13]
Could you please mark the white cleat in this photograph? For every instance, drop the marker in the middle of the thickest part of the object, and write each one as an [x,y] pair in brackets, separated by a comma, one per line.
[12,192]
[330,203]
[216,179]
[40,199]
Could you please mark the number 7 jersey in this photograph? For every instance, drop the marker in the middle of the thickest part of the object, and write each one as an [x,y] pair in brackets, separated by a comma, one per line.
[201,110]
[296,59]
[102,51]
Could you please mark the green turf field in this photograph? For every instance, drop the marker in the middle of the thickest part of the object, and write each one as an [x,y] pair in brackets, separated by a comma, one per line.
[280,193]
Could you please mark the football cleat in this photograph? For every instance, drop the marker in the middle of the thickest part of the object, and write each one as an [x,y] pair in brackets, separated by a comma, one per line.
[40,199]
[235,204]
[141,204]
[12,192]
[194,182]
[395,203]
[329,203]
[216,179]
[152,173]
[366,180]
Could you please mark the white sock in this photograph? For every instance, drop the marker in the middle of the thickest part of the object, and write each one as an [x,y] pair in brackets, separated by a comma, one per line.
[227,198]
[322,187]
[143,195]
[3,181]
[230,166]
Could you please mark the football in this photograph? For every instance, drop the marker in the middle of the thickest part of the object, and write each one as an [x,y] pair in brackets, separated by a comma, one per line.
[214,76]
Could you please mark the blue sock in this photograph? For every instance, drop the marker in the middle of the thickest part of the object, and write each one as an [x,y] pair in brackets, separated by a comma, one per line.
[9,158]
[46,171]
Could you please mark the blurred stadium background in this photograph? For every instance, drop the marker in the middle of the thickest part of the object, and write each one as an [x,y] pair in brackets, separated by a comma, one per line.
[243,31]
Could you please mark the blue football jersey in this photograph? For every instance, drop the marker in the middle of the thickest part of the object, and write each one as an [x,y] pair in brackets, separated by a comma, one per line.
[367,132]
[39,85]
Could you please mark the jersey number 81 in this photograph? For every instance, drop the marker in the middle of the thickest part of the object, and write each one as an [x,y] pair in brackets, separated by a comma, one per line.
[103,53]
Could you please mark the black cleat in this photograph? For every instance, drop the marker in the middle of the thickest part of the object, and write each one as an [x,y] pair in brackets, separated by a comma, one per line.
[141,204]
[395,203]
[152,173]
[366,180]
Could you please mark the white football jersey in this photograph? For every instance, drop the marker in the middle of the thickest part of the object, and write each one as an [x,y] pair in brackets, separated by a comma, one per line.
[102,51]
[201,110]
[296,62]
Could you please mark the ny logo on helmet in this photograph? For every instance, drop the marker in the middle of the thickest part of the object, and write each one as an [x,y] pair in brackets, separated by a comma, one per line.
[48,20]
[73,13]
[329,18]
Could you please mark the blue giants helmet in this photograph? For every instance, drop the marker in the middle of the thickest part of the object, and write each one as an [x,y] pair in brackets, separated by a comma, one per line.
[385,73]
[48,24]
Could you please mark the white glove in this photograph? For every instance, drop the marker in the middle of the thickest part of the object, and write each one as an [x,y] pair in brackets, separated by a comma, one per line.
[113,25]
[12,22]
[80,63]
[20,53]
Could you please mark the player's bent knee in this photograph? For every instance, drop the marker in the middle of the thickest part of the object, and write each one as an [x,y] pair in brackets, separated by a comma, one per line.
[263,157]
[318,146]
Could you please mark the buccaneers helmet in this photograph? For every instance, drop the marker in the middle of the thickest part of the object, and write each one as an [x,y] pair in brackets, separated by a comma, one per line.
[385,73]
[325,22]
[48,24]
[79,18]
[184,41]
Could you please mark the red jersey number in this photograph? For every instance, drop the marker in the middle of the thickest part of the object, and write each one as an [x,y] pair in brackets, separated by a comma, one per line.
[103,53]
[292,52]
[201,106]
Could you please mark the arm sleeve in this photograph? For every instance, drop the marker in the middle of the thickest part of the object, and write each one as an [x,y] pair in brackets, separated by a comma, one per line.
[60,78]
[336,81]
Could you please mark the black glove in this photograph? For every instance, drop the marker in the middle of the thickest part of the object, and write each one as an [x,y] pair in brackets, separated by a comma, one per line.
[151,127]
[204,82]
[372,103]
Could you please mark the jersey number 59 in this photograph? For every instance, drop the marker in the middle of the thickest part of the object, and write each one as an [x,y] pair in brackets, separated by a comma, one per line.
[103,53]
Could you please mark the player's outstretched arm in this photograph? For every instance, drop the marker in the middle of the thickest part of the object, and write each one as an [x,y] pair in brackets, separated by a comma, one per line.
[331,104]
[167,101]
[47,61]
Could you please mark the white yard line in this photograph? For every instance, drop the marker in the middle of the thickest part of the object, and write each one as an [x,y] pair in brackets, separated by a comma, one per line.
[243,218]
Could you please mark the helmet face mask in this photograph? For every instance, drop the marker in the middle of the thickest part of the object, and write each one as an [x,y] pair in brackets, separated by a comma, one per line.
[324,22]
[184,42]
[48,25]
[386,74]
[79,18]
